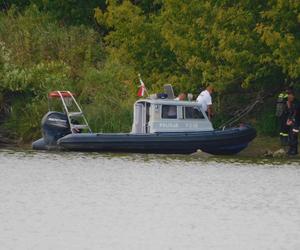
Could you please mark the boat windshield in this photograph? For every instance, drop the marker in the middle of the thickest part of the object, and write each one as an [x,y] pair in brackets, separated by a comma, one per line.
[193,113]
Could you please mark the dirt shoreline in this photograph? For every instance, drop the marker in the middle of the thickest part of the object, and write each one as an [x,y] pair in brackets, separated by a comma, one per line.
[266,147]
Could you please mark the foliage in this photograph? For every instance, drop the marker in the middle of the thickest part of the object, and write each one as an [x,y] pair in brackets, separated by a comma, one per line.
[36,56]
[192,43]
[66,11]
[241,47]
[109,97]
[279,31]
[135,39]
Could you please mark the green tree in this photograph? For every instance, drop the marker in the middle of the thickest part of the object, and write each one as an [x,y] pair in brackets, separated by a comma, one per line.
[279,31]
[216,42]
[135,39]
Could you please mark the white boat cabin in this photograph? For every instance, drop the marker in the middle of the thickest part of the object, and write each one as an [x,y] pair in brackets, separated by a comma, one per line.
[168,115]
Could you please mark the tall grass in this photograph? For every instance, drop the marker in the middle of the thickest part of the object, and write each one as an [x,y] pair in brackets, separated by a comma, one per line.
[38,55]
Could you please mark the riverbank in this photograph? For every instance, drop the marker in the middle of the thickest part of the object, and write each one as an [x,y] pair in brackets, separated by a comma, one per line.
[265,146]
[6,142]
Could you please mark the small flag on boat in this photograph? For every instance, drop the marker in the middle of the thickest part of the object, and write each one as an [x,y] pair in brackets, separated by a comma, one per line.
[142,88]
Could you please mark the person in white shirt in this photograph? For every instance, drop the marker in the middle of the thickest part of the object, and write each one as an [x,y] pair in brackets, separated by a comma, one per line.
[206,101]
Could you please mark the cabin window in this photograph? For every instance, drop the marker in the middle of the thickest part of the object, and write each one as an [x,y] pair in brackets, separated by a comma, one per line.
[169,112]
[193,113]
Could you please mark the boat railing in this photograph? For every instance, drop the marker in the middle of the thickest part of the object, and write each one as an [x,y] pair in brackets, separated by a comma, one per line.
[74,127]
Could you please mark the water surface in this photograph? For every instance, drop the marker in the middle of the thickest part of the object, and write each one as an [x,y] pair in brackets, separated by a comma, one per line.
[112,201]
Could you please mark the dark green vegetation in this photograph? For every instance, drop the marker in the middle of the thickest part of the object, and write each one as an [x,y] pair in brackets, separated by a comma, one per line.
[248,49]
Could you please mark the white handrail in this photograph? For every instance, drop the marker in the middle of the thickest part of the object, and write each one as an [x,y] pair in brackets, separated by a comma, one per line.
[68,113]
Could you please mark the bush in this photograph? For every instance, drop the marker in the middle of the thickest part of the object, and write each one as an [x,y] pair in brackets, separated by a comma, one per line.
[37,55]
[109,98]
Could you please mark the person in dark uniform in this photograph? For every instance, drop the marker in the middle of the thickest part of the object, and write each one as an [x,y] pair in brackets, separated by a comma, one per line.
[293,122]
[281,114]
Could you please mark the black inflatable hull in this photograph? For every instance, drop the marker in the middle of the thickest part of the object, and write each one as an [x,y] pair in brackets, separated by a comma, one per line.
[218,142]
[39,145]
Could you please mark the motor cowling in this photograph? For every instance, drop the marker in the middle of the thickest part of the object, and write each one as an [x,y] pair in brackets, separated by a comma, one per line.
[55,125]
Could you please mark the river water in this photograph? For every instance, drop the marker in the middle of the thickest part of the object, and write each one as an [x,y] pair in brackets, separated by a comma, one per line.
[117,201]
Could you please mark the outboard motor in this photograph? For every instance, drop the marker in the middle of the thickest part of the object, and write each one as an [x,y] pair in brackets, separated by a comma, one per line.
[55,125]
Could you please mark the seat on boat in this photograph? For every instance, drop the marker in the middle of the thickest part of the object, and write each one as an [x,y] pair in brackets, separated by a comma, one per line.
[168,89]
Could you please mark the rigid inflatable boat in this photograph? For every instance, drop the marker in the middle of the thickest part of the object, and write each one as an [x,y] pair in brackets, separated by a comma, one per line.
[159,126]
